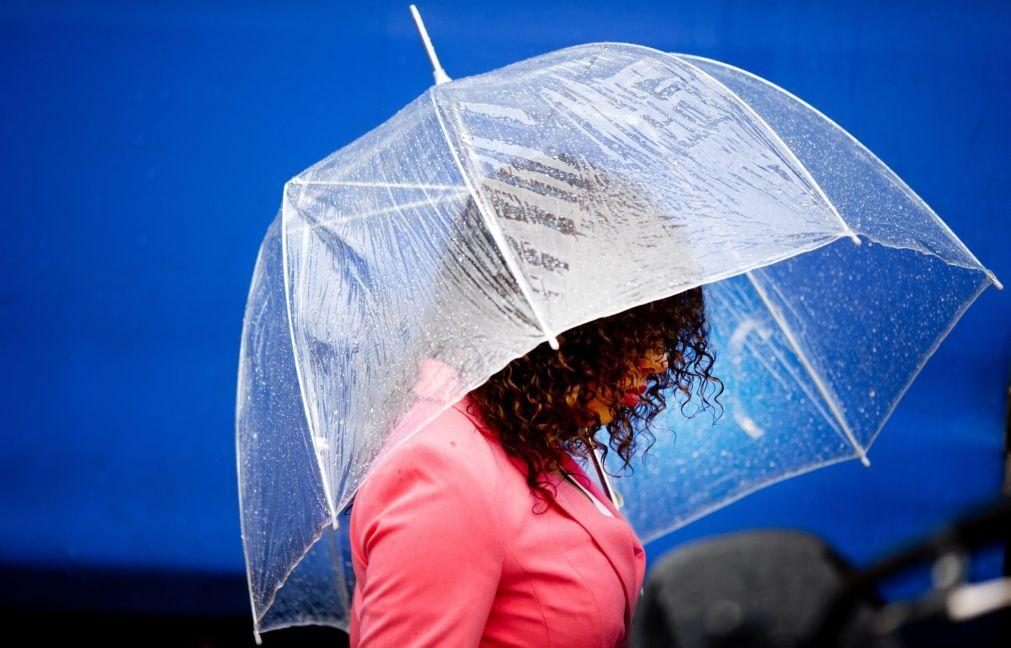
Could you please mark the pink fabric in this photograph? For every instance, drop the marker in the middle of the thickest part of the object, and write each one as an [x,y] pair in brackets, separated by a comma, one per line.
[447,551]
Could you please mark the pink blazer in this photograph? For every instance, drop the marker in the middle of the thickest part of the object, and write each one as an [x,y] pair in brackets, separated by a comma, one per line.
[447,551]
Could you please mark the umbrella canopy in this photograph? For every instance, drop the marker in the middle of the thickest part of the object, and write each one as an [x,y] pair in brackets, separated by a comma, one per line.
[496,211]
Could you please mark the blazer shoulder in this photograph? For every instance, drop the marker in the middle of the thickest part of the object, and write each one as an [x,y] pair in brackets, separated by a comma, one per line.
[450,449]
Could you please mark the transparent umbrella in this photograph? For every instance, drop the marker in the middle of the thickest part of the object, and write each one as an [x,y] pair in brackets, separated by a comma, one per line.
[495,211]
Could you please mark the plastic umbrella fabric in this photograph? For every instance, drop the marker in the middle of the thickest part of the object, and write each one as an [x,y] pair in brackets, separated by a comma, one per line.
[495,211]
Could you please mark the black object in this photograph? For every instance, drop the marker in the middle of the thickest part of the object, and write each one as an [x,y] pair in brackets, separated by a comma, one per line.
[747,590]
[948,551]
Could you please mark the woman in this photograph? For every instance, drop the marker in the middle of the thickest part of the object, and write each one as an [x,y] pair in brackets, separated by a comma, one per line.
[481,529]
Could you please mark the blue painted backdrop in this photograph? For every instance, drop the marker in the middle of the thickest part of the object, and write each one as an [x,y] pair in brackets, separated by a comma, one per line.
[143,147]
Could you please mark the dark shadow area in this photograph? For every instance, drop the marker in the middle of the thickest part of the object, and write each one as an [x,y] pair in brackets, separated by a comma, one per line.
[139,608]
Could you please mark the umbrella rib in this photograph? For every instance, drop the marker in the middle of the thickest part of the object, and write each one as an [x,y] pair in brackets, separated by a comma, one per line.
[793,156]
[495,229]
[776,314]
[819,383]
[313,429]
[240,471]
[397,208]
[892,175]
[375,185]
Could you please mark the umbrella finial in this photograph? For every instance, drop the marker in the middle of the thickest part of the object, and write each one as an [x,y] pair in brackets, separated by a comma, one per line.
[440,74]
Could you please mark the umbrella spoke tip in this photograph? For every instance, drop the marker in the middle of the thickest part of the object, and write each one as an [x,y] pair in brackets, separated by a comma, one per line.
[437,71]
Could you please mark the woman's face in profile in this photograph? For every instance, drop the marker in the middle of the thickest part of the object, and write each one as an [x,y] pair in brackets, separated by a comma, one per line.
[634,385]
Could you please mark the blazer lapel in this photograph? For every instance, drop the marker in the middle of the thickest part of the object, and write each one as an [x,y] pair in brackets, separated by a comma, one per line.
[612,535]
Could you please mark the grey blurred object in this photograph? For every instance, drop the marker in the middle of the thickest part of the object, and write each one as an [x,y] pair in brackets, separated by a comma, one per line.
[748,590]
[956,610]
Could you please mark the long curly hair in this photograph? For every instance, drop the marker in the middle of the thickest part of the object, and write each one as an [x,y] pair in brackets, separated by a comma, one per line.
[526,403]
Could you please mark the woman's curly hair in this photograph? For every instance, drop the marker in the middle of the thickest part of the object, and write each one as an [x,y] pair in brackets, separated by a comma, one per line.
[525,403]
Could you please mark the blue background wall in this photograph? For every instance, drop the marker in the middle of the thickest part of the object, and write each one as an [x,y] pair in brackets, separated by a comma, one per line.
[143,148]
